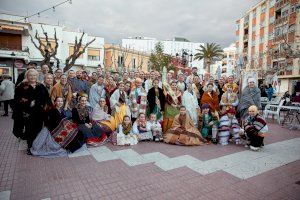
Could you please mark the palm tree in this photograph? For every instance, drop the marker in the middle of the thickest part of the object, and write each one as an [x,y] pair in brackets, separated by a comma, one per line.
[209,52]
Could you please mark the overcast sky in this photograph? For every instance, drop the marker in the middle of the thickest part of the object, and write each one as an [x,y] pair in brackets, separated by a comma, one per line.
[196,20]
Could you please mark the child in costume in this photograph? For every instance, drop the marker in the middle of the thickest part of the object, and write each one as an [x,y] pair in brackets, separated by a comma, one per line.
[155,128]
[124,135]
[229,125]
[142,128]
[208,123]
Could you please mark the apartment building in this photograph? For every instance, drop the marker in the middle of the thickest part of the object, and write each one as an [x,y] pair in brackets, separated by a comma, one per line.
[120,59]
[264,36]
[177,47]
[17,49]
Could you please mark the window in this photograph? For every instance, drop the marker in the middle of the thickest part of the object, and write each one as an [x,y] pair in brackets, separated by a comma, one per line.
[293,9]
[71,51]
[263,8]
[253,43]
[133,63]
[272,19]
[262,39]
[94,54]
[254,14]
[120,61]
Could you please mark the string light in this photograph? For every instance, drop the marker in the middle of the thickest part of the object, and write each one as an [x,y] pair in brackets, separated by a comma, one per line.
[42,11]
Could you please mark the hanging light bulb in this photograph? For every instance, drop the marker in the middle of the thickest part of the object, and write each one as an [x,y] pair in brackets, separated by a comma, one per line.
[38,14]
[25,19]
[53,8]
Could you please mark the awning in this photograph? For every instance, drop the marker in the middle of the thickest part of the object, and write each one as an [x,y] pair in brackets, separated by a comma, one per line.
[12,29]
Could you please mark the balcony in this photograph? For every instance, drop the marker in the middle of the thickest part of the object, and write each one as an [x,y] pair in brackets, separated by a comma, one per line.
[10,47]
[279,4]
[279,38]
[246,24]
[245,37]
[281,20]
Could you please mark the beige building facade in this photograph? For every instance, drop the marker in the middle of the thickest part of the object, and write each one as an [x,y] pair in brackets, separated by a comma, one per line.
[118,58]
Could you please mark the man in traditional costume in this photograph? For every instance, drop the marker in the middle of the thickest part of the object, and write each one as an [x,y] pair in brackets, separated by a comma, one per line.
[97,91]
[250,96]
[183,131]
[118,96]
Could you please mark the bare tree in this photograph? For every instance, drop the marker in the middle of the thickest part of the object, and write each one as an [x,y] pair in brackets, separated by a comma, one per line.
[79,49]
[45,48]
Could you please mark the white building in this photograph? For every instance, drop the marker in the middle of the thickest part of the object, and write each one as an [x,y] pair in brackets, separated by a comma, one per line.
[16,46]
[229,60]
[172,47]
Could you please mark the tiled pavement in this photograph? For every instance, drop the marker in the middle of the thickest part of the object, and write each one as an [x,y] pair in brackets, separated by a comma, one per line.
[128,173]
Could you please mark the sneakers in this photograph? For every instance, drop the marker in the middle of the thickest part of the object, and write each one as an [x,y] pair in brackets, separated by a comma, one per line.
[214,141]
[254,148]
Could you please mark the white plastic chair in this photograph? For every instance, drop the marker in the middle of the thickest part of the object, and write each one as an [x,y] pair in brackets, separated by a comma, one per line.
[273,110]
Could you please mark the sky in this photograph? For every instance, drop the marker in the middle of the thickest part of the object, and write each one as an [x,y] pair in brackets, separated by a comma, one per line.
[195,20]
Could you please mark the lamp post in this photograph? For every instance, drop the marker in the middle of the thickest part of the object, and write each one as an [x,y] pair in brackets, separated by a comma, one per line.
[191,60]
[13,65]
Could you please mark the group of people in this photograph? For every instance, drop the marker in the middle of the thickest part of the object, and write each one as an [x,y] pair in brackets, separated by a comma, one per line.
[57,113]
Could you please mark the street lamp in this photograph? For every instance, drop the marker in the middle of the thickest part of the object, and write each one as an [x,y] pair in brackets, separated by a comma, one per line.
[13,65]
[191,60]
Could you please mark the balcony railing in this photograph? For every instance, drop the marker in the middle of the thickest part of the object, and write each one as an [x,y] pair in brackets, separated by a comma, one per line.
[279,4]
[14,48]
[245,37]
[280,20]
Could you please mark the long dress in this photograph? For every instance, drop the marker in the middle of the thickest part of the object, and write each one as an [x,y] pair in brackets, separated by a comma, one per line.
[190,101]
[29,109]
[183,132]
[170,110]
[156,102]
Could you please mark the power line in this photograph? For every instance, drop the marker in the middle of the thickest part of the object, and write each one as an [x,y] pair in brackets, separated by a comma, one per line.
[42,11]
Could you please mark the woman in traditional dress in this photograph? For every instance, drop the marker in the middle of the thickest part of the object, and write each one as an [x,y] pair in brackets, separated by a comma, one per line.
[183,131]
[255,127]
[91,131]
[211,98]
[100,111]
[31,98]
[109,89]
[250,96]
[190,102]
[58,136]
[142,128]
[118,97]
[63,89]
[172,105]
[156,100]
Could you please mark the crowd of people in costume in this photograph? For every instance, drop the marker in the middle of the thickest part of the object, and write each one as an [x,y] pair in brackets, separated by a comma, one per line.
[57,113]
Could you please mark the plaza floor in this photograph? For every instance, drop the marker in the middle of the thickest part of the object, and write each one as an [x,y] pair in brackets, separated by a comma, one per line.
[154,171]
